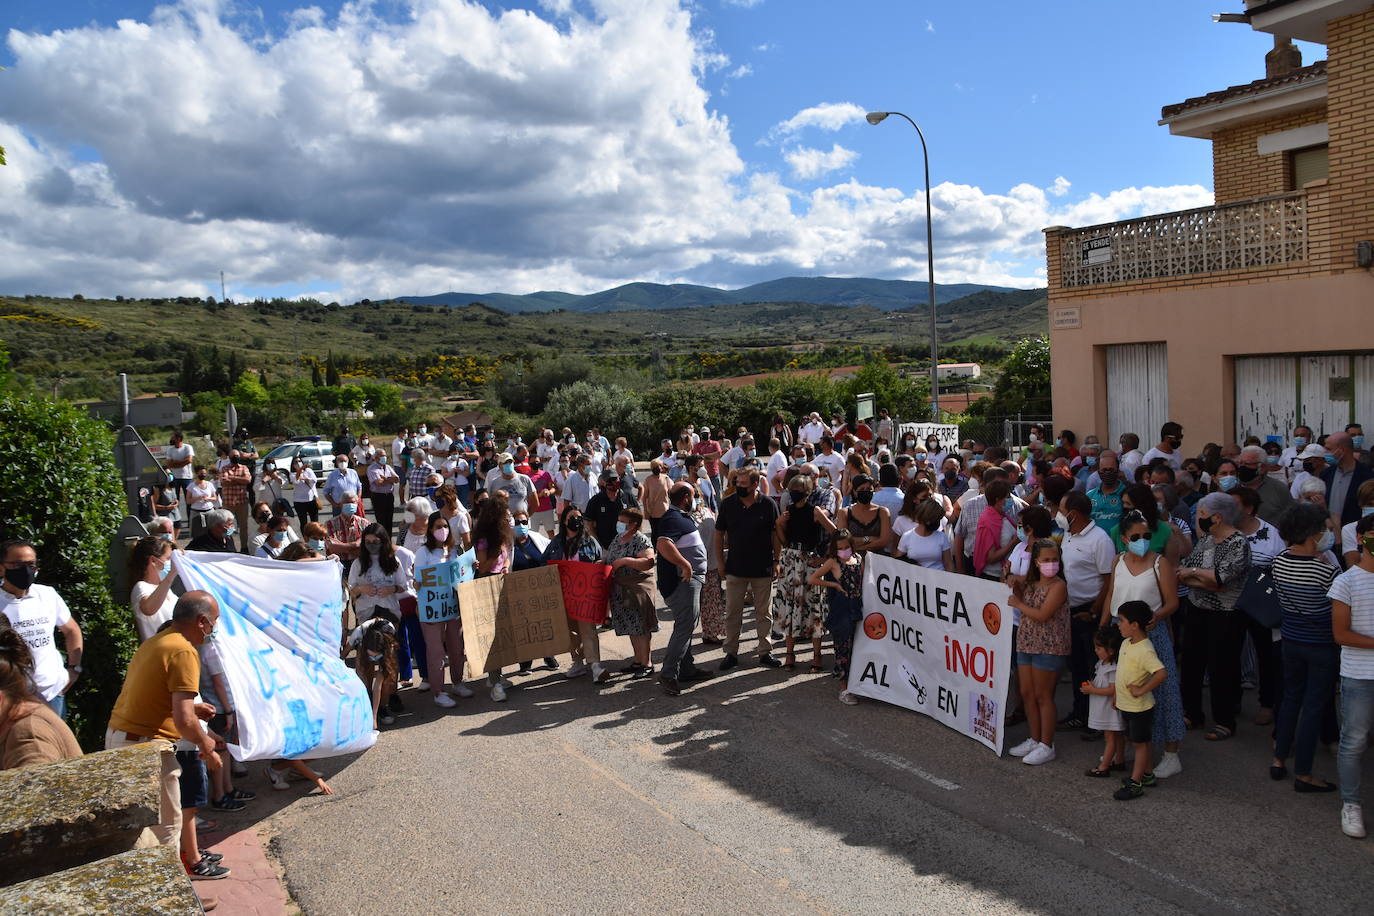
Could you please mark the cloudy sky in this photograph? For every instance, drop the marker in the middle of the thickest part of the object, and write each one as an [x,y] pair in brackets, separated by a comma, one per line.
[371,149]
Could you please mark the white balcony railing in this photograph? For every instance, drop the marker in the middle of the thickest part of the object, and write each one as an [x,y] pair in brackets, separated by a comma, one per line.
[1265,232]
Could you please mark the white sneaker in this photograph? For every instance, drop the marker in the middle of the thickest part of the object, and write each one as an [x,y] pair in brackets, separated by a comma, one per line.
[1352,820]
[498,693]
[386,718]
[1024,748]
[1169,765]
[424,686]
[277,778]
[460,690]
[577,670]
[848,698]
[600,673]
[444,700]
[1043,753]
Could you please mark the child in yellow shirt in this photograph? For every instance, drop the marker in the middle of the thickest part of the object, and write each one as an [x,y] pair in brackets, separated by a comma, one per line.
[1138,672]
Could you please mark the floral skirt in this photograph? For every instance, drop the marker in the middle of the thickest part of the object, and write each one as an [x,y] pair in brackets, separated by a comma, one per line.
[713,608]
[632,608]
[1168,722]
[798,609]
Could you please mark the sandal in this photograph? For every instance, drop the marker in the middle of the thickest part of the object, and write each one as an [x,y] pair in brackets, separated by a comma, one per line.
[789,666]
[1098,773]
[817,669]
[1218,733]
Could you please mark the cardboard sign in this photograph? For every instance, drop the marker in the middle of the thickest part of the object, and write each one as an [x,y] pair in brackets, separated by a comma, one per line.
[586,590]
[517,617]
[948,435]
[935,642]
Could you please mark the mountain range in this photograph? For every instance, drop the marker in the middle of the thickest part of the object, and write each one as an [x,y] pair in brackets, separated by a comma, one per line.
[887,295]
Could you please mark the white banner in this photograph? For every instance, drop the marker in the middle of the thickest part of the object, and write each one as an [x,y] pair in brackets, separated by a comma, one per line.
[935,642]
[948,435]
[279,631]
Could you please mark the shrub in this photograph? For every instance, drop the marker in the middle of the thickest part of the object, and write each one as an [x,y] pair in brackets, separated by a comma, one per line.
[50,447]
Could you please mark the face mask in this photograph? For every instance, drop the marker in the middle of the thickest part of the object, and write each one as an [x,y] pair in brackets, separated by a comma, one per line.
[932,446]
[1357,441]
[1246,474]
[1109,475]
[1366,510]
[441,534]
[1326,541]
[1061,520]
[409,517]
[1090,461]
[911,472]
[373,547]
[1021,535]
[752,453]
[621,527]
[1299,442]
[521,530]
[587,472]
[230,533]
[1139,548]
[163,572]
[342,465]
[1271,460]
[911,443]
[1034,438]
[823,483]
[350,509]
[844,554]
[574,524]
[374,657]
[508,467]
[278,537]
[1049,568]
[1331,460]
[864,497]
[1228,484]
[364,442]
[799,461]
[697,503]
[425,429]
[382,459]
[1205,524]
[168,538]
[316,544]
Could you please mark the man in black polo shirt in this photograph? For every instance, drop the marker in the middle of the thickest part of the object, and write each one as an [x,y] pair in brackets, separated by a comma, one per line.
[745,552]
[603,509]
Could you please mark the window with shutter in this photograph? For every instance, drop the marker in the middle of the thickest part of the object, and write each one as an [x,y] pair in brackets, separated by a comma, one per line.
[1307,165]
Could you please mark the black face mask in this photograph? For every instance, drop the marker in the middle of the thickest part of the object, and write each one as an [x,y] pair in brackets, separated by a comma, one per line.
[22,577]
[1246,474]
[1108,475]
[574,524]
[864,496]
[951,474]
[1205,524]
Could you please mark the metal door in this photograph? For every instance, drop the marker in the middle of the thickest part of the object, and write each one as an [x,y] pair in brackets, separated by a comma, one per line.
[1327,392]
[1137,390]
[1266,396]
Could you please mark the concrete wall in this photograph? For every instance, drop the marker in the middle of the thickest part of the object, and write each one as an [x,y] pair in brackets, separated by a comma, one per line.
[1204,327]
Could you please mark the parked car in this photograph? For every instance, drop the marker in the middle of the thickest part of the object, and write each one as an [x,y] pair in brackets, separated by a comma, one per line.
[314,450]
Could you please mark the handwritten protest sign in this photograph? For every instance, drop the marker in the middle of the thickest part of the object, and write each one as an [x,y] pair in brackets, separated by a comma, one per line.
[935,642]
[435,590]
[279,631]
[586,590]
[513,618]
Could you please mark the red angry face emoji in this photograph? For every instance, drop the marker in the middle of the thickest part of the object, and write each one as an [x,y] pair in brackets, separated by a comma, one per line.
[875,626]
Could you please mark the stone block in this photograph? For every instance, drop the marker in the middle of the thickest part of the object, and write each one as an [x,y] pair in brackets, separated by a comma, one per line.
[76,810]
[145,881]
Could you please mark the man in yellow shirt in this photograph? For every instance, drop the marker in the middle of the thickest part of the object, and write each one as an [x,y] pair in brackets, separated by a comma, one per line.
[157,701]
[1138,672]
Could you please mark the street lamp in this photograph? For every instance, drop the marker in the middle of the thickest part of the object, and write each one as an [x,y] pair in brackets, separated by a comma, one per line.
[877,117]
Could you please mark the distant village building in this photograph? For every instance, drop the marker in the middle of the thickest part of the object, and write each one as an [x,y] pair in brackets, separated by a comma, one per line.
[953,371]
[1255,314]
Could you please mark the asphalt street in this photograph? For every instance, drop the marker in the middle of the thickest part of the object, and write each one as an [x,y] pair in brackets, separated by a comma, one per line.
[759,792]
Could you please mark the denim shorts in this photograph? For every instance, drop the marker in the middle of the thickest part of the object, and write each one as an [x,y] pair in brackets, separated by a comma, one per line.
[195,782]
[1041,661]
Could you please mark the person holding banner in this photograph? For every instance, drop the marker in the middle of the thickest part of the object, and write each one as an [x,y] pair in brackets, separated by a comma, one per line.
[869,525]
[575,543]
[443,635]
[926,543]
[1042,647]
[150,570]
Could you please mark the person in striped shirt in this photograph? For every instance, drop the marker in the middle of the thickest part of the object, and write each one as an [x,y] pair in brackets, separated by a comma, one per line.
[1303,577]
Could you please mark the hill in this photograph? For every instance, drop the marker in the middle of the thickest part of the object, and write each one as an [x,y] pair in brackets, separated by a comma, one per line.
[887,295]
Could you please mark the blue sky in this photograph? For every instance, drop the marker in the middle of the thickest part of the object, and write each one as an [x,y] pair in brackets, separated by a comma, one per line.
[641,139]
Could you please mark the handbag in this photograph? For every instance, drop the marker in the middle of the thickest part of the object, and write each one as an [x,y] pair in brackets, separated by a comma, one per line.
[1260,598]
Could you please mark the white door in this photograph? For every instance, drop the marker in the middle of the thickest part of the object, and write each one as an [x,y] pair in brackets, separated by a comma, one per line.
[1364,393]
[1266,396]
[1137,390]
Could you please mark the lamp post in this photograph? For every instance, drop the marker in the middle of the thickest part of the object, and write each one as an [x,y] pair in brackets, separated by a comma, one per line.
[877,117]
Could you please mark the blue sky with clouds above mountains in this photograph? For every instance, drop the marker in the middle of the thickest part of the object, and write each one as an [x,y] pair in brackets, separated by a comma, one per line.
[387,148]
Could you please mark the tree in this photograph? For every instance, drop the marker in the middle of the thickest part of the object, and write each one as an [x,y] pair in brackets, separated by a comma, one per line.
[331,371]
[583,405]
[315,378]
[1024,385]
[72,535]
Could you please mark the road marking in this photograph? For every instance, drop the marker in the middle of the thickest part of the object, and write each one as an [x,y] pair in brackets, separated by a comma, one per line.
[1174,879]
[891,760]
[1061,832]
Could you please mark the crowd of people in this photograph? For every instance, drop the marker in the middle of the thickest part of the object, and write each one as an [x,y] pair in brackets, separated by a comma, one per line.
[1143,575]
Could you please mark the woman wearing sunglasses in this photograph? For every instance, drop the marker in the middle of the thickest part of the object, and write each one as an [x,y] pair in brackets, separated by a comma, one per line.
[1142,574]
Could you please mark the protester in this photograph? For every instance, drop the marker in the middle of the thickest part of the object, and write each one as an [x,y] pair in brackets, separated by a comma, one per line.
[382,484]
[631,558]
[840,576]
[235,481]
[1344,478]
[926,543]
[150,571]
[1103,715]
[1042,648]
[31,734]
[276,538]
[344,533]
[746,550]
[37,612]
[1139,673]
[1088,556]
[869,525]
[1352,625]
[304,491]
[575,543]
[218,534]
[526,554]
[442,638]
[681,573]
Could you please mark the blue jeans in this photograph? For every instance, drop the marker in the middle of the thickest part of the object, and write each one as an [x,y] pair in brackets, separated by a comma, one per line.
[685,604]
[58,704]
[1309,674]
[1357,716]
[410,646]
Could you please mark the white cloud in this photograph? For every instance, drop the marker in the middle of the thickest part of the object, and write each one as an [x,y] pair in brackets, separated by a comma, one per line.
[741,71]
[766,47]
[930,26]
[460,149]
[744,4]
[826,116]
[809,163]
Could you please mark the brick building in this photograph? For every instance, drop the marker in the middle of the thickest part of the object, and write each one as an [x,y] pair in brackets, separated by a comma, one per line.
[1257,313]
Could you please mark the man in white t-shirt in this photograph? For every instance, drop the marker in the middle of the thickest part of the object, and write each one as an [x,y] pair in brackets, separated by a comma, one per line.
[1291,457]
[777,466]
[178,459]
[1088,554]
[811,431]
[1170,441]
[36,611]
[1130,457]
[829,459]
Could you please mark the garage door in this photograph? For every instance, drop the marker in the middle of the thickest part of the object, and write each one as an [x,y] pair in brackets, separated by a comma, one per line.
[1324,391]
[1137,390]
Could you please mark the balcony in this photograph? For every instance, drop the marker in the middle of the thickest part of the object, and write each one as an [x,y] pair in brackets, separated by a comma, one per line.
[1249,235]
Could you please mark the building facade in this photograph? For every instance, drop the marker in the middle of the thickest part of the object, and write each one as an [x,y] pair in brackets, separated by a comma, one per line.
[1255,314]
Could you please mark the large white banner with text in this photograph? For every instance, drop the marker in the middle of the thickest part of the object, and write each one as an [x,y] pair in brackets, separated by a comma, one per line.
[279,631]
[935,642]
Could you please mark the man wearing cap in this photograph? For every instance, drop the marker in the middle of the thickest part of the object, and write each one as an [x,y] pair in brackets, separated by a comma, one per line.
[518,486]
[1311,463]
[709,449]
[603,509]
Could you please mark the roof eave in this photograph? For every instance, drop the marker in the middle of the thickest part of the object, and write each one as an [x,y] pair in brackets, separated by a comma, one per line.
[1204,121]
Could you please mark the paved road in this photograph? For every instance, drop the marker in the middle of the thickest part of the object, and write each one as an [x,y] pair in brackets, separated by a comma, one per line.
[758,792]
